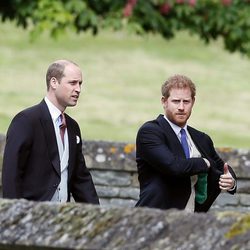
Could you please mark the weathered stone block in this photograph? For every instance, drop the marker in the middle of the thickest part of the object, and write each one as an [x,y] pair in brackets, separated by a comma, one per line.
[129,192]
[110,155]
[225,199]
[111,178]
[243,186]
[135,182]
[117,192]
[117,202]
[80,226]
[245,200]
[107,192]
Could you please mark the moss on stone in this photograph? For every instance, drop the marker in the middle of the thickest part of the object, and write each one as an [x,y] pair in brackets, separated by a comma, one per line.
[240,227]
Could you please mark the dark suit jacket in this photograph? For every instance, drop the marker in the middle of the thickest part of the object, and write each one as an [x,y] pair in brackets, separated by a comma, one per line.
[164,172]
[31,165]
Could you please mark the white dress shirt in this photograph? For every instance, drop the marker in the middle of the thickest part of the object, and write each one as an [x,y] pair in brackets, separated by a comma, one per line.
[193,151]
[61,193]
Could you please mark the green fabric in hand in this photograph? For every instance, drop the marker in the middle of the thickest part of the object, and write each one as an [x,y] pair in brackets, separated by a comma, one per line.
[201,189]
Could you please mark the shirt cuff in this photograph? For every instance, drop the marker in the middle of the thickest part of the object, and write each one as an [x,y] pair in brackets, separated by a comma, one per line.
[207,162]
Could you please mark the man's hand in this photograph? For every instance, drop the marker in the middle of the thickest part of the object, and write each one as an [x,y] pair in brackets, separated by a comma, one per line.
[226,181]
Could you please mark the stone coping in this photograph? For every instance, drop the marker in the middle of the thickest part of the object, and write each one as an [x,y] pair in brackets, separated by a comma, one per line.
[42,225]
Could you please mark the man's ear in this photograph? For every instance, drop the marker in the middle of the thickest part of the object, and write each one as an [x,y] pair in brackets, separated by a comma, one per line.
[53,82]
[163,99]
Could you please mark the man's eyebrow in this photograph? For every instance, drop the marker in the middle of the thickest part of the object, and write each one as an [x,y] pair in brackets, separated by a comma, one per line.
[75,80]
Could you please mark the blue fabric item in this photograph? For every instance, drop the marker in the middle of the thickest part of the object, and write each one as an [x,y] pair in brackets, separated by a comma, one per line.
[184,143]
[201,185]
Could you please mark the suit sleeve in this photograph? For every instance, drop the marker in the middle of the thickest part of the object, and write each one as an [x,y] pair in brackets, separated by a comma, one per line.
[217,164]
[214,173]
[16,154]
[153,147]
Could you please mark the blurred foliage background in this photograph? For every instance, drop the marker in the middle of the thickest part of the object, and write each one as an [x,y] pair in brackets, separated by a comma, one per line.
[123,72]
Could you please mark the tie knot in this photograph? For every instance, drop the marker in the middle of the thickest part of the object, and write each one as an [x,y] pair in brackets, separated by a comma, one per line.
[62,121]
[183,132]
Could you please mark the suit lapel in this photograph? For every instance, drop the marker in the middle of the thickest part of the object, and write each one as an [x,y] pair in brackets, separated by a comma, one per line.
[50,136]
[173,140]
[197,141]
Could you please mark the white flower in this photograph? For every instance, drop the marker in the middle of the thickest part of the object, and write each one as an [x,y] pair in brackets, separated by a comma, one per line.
[77,139]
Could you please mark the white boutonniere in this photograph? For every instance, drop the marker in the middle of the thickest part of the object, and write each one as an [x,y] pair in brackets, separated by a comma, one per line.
[77,139]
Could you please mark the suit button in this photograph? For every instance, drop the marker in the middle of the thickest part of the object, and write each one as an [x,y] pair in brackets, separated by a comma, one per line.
[55,185]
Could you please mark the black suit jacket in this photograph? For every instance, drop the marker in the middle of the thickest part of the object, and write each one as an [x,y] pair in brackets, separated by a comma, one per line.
[31,165]
[164,172]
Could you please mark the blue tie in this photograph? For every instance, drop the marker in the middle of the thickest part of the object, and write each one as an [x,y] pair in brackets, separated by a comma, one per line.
[201,185]
[184,143]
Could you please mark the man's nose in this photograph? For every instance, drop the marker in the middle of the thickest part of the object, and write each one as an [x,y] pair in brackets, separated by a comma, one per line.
[181,105]
[78,88]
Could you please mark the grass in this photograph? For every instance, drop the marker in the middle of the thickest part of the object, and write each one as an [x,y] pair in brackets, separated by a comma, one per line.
[122,79]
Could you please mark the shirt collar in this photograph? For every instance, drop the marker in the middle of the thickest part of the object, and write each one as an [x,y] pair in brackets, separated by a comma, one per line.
[176,128]
[54,111]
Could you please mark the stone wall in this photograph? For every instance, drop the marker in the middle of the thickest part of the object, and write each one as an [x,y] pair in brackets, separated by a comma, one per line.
[27,225]
[113,168]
